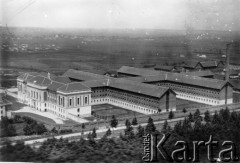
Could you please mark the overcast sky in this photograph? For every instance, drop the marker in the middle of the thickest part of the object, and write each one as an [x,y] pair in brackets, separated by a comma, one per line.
[133,14]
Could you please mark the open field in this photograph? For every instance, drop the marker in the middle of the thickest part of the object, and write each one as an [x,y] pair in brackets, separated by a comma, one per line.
[99,51]
[106,111]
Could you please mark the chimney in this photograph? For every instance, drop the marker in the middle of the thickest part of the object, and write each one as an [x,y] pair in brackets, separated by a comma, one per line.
[227,63]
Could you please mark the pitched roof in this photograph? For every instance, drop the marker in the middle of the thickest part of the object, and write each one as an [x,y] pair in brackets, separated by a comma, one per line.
[97,83]
[140,88]
[236,84]
[163,67]
[199,73]
[184,79]
[40,81]
[73,87]
[81,75]
[207,64]
[137,71]
[27,76]
[61,79]
[128,85]
[146,75]
[54,86]
[191,64]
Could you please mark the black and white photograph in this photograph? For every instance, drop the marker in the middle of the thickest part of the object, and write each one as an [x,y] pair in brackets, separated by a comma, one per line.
[120,81]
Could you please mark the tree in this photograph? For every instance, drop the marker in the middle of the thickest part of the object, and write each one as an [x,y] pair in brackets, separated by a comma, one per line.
[11,131]
[94,134]
[40,129]
[150,128]
[184,110]
[129,130]
[89,136]
[140,131]
[109,132]
[190,117]
[197,116]
[54,130]
[127,123]
[7,129]
[171,115]
[113,122]
[83,126]
[28,129]
[166,128]
[134,121]
[207,116]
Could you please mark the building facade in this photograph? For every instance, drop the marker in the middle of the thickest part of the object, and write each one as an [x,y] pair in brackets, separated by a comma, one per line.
[187,87]
[73,94]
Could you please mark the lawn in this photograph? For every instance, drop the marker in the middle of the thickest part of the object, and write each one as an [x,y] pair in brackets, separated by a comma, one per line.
[106,110]
[36,117]
[15,104]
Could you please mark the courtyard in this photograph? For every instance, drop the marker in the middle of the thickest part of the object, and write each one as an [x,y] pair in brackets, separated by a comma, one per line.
[106,111]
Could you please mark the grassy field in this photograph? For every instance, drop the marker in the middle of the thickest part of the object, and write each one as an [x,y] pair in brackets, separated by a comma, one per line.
[15,104]
[107,110]
[36,117]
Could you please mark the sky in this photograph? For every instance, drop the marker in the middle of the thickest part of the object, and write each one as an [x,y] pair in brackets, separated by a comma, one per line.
[123,14]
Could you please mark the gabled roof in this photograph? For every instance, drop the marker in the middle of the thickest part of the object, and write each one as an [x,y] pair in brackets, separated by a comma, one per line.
[208,64]
[73,88]
[191,65]
[83,76]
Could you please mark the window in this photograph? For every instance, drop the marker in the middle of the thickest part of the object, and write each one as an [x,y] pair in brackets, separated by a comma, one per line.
[86,100]
[70,102]
[78,110]
[78,101]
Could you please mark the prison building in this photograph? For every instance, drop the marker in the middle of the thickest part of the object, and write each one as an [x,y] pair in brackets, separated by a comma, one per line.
[139,97]
[188,87]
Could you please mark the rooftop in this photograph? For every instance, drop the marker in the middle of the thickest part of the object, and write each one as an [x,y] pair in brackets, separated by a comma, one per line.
[83,76]
[148,76]
[199,73]
[73,87]
[207,64]
[128,85]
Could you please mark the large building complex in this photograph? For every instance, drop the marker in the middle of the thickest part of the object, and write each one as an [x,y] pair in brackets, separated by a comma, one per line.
[137,89]
[73,94]
[188,87]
